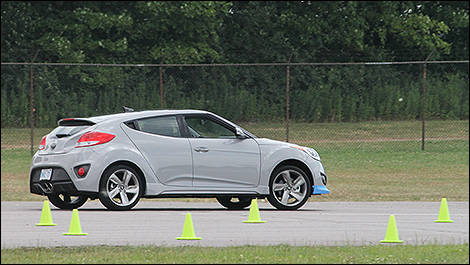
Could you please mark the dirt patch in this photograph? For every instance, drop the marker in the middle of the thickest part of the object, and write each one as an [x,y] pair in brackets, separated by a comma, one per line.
[16,146]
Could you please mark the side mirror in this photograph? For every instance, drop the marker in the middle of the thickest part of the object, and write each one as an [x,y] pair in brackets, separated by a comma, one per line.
[240,134]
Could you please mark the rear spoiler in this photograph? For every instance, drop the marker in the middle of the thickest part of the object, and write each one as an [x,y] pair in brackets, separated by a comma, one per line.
[127,109]
[75,122]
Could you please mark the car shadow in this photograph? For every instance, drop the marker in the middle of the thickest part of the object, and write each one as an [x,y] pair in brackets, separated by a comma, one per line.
[184,210]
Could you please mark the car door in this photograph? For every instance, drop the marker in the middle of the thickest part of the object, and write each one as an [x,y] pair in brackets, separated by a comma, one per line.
[160,141]
[220,159]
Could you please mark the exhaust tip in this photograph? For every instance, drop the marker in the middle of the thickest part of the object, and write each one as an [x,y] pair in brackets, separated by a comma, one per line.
[47,187]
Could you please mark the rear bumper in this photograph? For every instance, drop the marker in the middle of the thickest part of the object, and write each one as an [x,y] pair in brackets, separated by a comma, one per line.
[63,175]
[60,182]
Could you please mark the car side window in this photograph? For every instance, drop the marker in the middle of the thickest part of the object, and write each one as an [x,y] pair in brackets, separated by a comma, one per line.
[166,125]
[202,127]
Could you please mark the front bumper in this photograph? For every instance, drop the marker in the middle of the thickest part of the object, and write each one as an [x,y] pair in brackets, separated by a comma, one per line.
[320,189]
[320,180]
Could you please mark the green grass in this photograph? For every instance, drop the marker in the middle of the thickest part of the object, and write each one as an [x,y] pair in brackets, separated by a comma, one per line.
[15,176]
[363,161]
[403,254]
[368,174]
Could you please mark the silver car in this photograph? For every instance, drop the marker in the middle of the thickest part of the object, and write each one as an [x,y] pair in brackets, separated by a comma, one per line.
[123,157]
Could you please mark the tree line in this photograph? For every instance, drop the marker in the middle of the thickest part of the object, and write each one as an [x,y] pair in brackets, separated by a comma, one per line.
[235,32]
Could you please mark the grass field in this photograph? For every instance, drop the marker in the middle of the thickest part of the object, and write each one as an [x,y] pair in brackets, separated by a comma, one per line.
[367,161]
[283,254]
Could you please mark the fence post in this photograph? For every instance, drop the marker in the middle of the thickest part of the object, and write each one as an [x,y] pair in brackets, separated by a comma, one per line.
[161,87]
[287,101]
[423,101]
[31,103]
[423,107]
[31,108]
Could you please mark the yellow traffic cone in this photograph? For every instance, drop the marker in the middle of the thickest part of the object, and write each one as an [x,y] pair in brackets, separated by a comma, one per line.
[391,236]
[75,229]
[188,229]
[46,217]
[254,213]
[443,213]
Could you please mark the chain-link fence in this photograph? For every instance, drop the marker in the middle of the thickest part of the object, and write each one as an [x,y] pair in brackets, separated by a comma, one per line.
[331,107]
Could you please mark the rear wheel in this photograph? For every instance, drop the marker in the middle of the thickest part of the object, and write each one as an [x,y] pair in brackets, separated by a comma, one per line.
[66,201]
[120,188]
[234,203]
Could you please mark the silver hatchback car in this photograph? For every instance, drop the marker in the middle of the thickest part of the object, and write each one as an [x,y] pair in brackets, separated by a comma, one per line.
[123,157]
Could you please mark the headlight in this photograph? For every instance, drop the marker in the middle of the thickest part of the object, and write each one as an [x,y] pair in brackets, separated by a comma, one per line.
[310,151]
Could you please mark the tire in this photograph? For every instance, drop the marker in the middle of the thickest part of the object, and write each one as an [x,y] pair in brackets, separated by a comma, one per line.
[231,204]
[118,194]
[289,188]
[65,201]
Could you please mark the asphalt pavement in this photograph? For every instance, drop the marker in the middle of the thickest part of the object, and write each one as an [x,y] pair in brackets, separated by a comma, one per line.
[154,222]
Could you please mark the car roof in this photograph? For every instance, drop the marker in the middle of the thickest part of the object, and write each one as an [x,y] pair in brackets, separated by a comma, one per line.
[125,116]
[145,113]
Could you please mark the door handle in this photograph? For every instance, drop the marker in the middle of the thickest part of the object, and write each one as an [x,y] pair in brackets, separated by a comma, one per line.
[201,149]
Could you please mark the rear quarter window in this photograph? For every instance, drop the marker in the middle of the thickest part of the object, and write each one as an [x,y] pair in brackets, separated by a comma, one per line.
[166,125]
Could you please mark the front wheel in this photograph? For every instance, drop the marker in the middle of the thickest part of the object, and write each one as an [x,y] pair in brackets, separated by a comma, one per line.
[66,201]
[120,188]
[234,203]
[289,188]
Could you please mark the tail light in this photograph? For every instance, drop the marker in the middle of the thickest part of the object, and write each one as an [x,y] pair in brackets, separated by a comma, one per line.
[94,138]
[42,145]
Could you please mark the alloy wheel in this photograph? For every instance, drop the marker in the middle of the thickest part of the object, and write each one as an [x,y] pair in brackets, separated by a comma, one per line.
[289,187]
[122,187]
